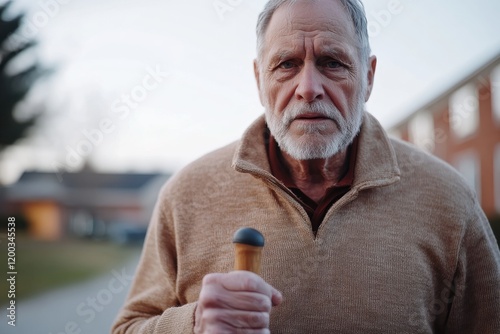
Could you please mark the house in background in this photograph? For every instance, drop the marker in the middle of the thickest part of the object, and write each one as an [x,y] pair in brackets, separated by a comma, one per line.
[462,126]
[86,203]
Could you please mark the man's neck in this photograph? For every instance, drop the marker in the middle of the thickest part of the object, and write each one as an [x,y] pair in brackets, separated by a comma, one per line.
[314,177]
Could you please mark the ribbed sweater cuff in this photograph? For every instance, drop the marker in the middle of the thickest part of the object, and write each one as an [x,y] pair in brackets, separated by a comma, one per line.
[177,320]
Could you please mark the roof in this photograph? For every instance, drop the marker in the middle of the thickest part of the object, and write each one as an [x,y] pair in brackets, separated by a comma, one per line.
[84,187]
[88,179]
[444,94]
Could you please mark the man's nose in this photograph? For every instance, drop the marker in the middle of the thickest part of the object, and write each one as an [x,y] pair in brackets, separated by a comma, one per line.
[310,86]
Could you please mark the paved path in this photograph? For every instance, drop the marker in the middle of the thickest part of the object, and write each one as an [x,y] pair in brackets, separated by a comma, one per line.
[86,308]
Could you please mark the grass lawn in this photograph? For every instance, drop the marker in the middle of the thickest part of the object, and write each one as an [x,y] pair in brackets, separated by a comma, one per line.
[42,266]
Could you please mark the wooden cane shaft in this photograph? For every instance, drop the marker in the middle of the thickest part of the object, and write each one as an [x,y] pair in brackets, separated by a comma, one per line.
[247,258]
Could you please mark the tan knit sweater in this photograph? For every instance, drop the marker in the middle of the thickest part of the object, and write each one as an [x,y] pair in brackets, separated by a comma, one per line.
[406,250]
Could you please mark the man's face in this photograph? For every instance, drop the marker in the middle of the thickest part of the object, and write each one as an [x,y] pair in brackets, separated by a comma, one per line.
[311,79]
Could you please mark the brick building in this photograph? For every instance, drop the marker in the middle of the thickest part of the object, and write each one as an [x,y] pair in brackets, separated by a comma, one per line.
[462,126]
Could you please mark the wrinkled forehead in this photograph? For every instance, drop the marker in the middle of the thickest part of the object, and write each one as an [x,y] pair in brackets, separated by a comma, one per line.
[326,22]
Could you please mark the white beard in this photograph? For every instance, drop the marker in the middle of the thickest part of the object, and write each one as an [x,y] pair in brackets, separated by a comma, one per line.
[314,143]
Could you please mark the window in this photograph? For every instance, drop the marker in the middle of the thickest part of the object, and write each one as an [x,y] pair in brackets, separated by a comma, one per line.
[496,176]
[464,111]
[468,165]
[495,92]
[421,130]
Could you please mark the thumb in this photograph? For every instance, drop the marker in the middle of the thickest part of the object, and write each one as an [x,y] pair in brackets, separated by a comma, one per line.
[276,297]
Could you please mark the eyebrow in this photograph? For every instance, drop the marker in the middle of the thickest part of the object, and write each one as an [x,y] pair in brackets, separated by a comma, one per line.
[280,56]
[329,50]
[336,52]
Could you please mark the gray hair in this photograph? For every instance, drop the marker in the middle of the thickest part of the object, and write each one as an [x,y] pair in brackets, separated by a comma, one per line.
[354,7]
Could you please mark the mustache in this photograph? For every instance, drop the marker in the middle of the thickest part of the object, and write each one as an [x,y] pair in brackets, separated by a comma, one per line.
[321,108]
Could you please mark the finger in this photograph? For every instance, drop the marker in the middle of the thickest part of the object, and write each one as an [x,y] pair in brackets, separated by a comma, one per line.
[251,331]
[219,330]
[248,281]
[276,298]
[236,319]
[245,301]
[241,280]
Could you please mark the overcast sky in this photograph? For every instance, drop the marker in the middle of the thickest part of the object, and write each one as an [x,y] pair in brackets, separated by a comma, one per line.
[167,81]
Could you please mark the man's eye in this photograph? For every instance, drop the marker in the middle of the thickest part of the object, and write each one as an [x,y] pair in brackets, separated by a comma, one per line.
[286,65]
[332,64]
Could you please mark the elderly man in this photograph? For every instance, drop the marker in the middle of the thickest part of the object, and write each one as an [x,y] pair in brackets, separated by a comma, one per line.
[365,234]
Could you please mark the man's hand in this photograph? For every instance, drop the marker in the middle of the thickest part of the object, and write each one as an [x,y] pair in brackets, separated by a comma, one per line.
[236,302]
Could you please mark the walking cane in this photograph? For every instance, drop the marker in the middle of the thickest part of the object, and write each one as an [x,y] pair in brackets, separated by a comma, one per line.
[248,243]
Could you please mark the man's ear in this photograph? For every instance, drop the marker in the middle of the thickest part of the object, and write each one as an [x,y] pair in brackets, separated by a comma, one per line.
[256,72]
[372,65]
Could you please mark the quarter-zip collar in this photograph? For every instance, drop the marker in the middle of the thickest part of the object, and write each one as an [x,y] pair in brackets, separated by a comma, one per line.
[376,163]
